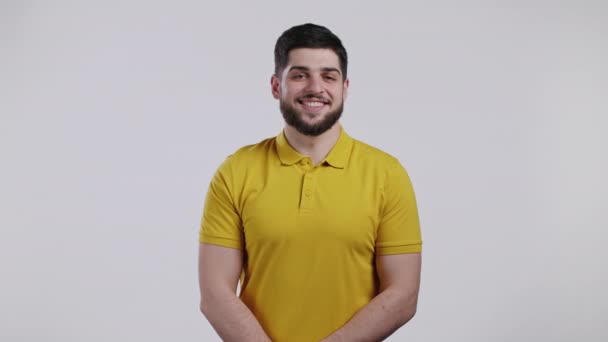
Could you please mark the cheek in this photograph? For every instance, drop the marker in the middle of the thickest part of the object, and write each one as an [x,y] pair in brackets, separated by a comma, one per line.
[292,92]
[339,94]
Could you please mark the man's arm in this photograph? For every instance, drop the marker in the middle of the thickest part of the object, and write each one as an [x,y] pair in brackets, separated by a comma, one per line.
[219,271]
[395,305]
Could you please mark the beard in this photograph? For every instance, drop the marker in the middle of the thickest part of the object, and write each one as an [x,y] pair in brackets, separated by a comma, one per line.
[293,117]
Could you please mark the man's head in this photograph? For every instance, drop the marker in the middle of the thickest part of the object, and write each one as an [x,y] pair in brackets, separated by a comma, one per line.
[310,78]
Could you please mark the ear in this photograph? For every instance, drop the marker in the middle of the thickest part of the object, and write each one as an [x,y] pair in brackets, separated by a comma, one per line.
[275,86]
[345,92]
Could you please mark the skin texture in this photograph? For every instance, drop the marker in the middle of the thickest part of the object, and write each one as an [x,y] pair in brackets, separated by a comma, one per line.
[219,271]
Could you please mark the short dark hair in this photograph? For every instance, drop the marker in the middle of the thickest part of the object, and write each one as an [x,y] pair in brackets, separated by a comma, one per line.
[308,36]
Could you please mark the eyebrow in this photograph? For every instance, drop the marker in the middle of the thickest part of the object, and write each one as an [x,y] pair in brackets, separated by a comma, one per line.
[325,69]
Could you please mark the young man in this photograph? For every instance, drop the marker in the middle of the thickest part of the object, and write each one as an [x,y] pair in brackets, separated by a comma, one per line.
[322,229]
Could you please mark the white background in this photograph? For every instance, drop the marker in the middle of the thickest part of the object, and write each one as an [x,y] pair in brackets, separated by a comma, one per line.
[115,114]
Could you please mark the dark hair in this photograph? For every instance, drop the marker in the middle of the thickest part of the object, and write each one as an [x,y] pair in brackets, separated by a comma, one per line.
[307,36]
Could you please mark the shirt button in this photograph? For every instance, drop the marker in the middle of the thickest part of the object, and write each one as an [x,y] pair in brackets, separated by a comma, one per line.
[307,193]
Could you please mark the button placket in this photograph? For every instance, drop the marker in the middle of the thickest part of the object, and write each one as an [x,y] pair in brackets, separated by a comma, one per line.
[308,186]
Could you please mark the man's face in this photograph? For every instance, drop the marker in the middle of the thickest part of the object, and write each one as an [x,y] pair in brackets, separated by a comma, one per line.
[311,90]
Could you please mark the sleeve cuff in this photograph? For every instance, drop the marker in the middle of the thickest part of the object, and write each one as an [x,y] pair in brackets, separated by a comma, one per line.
[386,249]
[219,241]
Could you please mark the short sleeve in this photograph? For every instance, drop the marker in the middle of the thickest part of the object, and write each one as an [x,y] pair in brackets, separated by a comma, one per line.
[399,228]
[221,221]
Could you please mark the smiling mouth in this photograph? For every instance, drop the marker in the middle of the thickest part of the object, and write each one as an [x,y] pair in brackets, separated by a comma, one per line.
[314,103]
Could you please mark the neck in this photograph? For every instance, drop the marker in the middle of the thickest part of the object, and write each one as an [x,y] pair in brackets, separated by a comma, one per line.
[317,147]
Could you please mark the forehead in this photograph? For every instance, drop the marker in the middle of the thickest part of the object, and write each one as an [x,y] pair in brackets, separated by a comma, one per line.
[313,58]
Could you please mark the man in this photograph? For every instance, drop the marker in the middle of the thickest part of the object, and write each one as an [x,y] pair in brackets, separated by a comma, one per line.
[322,229]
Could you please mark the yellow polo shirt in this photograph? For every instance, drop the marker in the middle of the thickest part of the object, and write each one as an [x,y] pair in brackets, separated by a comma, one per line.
[309,233]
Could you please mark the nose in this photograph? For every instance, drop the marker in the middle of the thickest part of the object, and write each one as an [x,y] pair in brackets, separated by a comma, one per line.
[315,84]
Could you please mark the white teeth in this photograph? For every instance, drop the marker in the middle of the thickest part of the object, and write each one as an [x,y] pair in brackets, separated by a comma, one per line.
[313,104]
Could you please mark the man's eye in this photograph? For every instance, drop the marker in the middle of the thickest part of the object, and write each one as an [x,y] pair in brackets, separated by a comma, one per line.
[330,78]
[299,76]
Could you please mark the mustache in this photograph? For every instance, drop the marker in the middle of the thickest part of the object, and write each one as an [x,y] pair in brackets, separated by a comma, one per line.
[314,97]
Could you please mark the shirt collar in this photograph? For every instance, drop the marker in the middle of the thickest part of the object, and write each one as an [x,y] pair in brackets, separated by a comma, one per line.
[337,157]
